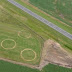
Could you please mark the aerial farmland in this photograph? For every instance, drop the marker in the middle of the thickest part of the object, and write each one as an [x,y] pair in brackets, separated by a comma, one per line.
[35,36]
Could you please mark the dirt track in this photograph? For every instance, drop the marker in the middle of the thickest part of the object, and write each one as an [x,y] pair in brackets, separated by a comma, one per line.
[53,53]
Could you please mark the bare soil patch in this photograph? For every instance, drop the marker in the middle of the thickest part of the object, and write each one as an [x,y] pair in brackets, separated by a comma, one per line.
[55,54]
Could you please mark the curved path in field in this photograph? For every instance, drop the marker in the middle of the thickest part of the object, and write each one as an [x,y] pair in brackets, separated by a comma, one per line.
[68,35]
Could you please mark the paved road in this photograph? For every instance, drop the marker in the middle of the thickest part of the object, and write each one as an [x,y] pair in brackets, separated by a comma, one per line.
[68,35]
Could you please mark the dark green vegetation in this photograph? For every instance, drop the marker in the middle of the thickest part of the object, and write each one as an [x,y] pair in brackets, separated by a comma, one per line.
[9,67]
[61,9]
[55,68]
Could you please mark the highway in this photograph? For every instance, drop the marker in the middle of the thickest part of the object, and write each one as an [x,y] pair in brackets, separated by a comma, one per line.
[65,33]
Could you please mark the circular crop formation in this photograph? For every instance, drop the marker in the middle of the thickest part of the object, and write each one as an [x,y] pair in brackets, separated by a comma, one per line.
[32,55]
[8,42]
[26,54]
[24,34]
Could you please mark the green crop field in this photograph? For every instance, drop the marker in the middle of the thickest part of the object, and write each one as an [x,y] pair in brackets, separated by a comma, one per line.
[55,68]
[64,24]
[46,32]
[22,38]
[9,67]
[18,27]
[61,9]
[17,42]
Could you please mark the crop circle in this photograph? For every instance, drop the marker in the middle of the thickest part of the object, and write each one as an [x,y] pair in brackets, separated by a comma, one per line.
[23,34]
[11,41]
[28,59]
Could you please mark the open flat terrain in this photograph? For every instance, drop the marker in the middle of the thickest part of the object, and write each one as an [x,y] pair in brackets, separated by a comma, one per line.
[63,32]
[57,21]
[61,9]
[9,67]
[46,32]
[22,39]
[17,42]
